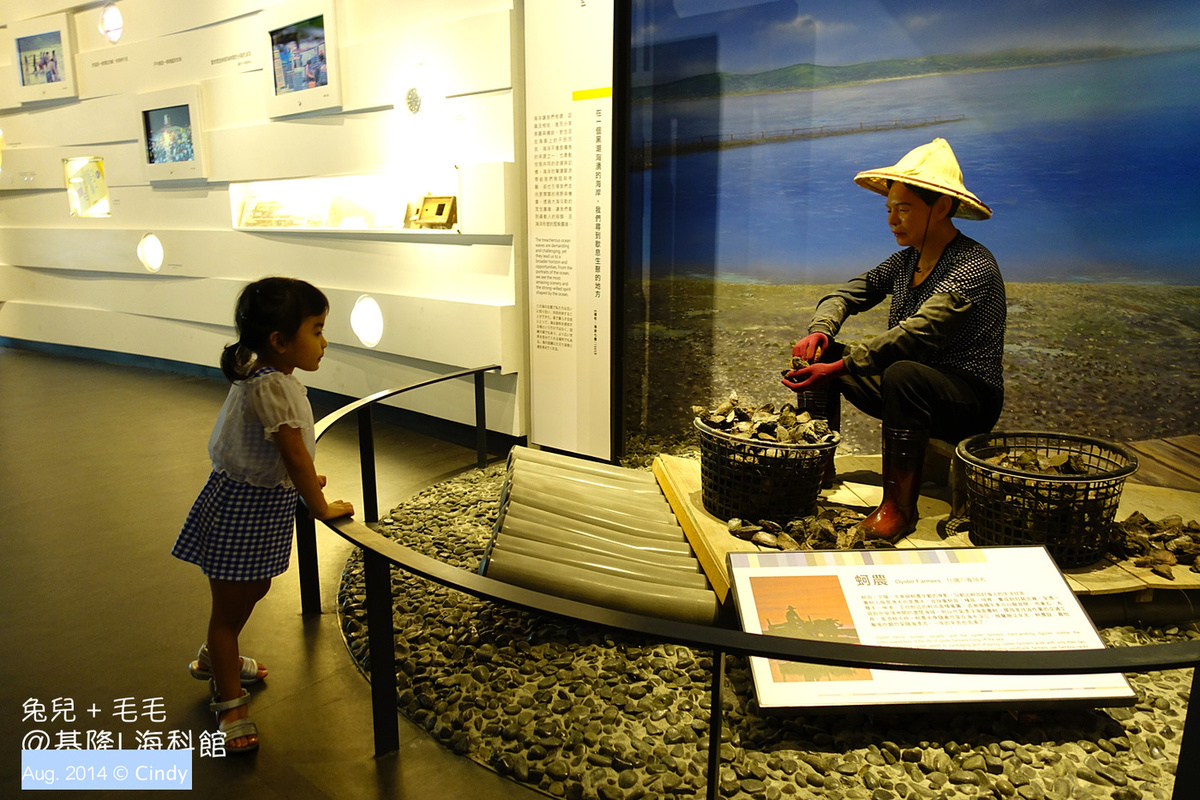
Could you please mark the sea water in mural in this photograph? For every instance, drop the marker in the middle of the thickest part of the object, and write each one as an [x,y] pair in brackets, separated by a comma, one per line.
[1085,165]
[1085,158]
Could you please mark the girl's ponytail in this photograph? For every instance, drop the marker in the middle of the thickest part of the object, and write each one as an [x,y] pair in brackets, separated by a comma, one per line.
[236,359]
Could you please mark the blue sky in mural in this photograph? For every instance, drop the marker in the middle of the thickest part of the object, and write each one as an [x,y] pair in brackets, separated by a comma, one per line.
[1087,165]
[763,35]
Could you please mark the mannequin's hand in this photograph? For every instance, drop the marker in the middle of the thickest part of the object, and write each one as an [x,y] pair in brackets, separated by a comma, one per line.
[808,378]
[810,347]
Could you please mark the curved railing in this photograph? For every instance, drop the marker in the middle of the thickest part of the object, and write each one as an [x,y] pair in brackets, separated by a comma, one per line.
[380,554]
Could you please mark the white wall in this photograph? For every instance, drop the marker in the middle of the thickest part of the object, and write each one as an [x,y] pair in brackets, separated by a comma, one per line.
[450,300]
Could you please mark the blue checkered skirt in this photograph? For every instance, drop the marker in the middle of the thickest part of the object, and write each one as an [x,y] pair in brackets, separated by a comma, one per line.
[238,532]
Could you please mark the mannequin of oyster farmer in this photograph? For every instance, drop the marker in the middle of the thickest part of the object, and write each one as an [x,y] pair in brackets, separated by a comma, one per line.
[936,370]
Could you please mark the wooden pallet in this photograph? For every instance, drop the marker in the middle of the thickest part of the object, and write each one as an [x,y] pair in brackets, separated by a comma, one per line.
[1172,463]
[860,489]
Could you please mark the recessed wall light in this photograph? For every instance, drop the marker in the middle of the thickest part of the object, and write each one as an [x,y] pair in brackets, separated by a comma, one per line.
[366,320]
[112,24]
[150,252]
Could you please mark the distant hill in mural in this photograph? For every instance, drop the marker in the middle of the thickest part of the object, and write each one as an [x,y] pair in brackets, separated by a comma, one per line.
[801,77]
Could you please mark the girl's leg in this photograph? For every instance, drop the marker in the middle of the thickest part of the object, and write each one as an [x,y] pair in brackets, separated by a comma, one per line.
[232,602]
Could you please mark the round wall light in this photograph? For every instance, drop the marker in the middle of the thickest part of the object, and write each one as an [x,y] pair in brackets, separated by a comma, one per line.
[150,252]
[366,320]
[112,24]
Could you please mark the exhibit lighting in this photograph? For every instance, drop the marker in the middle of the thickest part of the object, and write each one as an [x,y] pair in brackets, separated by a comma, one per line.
[112,24]
[87,190]
[366,320]
[150,252]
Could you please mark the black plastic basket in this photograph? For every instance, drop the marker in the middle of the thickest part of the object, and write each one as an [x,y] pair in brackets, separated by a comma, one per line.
[1072,515]
[753,480]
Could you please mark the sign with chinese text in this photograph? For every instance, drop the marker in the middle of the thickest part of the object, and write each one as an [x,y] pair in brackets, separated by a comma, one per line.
[569,75]
[987,598]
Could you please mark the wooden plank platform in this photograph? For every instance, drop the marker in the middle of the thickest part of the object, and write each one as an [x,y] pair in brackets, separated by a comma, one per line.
[709,536]
[1173,463]
[860,488]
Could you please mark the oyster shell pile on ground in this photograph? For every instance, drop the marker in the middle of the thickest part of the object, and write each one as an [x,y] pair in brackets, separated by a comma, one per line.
[829,529]
[1159,544]
[766,424]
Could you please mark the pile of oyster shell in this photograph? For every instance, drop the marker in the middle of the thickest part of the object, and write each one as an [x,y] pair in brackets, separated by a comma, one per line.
[828,529]
[786,425]
[1160,544]
[1031,461]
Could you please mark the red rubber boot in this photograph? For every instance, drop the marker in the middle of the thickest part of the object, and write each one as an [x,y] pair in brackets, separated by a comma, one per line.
[903,458]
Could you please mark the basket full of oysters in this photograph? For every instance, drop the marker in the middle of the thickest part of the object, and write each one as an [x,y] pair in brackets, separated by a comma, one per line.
[761,462]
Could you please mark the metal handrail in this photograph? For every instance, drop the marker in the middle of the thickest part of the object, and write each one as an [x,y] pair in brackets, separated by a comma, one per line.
[306,532]
[380,554]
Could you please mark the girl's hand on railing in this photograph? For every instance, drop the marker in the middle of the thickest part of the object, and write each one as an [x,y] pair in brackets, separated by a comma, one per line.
[338,508]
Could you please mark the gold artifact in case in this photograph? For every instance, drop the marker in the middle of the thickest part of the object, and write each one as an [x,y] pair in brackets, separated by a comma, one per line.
[435,212]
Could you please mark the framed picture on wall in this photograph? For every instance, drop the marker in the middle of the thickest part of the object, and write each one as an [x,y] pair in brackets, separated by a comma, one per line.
[171,132]
[302,70]
[44,55]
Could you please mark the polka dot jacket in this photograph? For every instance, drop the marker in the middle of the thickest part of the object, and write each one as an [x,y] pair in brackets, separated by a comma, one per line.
[955,318]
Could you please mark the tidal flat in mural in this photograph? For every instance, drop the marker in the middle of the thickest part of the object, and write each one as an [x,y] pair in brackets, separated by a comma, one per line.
[1117,361]
[1080,141]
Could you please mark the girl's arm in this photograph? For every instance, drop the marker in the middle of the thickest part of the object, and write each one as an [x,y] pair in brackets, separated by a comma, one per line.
[303,473]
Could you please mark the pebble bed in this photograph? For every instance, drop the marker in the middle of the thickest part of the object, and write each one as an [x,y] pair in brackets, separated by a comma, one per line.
[580,712]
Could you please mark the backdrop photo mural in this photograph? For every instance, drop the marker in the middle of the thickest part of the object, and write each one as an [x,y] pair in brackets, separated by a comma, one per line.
[1075,121]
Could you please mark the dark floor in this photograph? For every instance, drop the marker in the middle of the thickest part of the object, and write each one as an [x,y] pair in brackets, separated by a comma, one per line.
[99,465]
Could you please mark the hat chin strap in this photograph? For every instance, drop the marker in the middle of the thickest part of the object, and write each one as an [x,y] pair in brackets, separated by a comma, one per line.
[924,235]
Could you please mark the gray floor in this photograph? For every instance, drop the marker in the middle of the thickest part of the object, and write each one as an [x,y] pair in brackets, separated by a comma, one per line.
[99,465]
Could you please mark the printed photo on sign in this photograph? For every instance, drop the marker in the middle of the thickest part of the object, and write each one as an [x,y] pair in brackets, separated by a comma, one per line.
[805,607]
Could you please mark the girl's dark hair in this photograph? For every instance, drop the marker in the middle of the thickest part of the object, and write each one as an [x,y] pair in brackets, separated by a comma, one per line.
[929,196]
[264,307]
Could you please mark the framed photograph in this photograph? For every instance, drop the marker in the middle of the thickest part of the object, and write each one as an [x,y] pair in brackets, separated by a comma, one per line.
[171,132]
[435,212]
[302,70]
[44,53]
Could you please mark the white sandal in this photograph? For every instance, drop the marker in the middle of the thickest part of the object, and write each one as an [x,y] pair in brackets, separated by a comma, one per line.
[237,728]
[201,668]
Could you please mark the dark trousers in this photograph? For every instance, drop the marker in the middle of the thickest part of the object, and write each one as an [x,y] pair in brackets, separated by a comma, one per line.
[949,404]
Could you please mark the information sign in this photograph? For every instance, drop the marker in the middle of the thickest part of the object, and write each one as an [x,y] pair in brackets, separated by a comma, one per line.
[984,598]
[569,76]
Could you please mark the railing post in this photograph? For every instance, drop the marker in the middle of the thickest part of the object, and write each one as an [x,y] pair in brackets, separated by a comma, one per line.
[715,723]
[366,457]
[381,650]
[1187,773]
[480,422]
[306,561]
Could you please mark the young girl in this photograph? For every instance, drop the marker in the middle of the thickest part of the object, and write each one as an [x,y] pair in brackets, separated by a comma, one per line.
[239,531]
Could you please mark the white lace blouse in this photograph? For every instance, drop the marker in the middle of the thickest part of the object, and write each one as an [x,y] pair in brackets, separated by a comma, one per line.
[242,445]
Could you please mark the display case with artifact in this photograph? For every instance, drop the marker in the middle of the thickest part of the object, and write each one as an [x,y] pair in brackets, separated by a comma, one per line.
[87,190]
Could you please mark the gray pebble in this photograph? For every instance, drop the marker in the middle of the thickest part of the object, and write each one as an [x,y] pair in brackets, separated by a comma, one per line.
[578,713]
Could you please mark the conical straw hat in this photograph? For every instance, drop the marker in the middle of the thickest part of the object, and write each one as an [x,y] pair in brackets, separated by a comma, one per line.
[930,166]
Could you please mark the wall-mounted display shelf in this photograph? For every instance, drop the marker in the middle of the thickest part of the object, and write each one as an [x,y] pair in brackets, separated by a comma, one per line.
[381,206]
[370,203]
